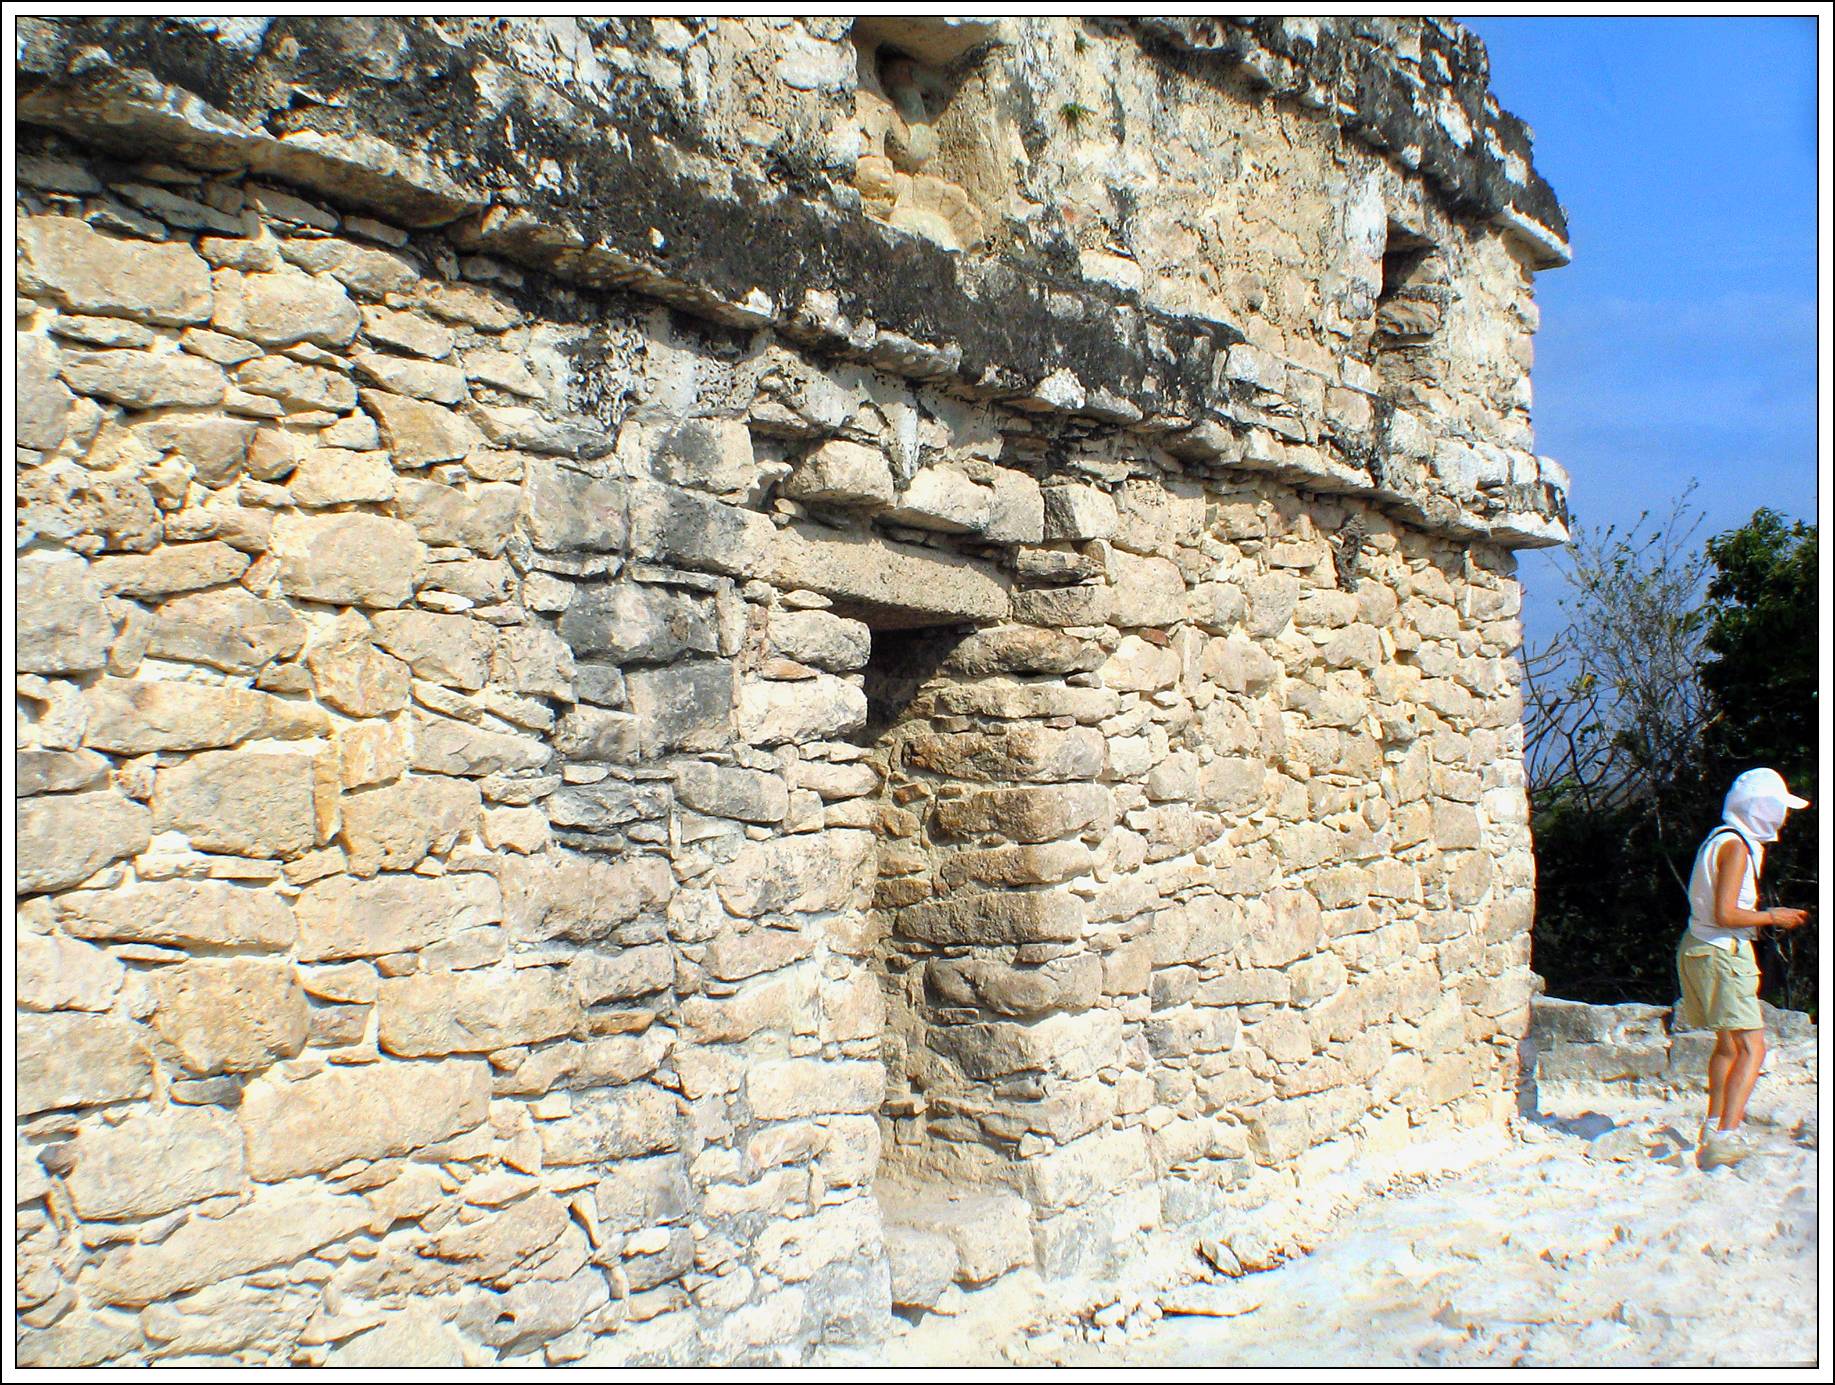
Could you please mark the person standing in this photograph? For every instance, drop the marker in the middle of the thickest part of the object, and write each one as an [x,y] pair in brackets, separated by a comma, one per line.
[1715,960]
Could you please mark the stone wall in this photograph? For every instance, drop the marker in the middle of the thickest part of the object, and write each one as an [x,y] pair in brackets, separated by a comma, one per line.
[1577,1049]
[632,754]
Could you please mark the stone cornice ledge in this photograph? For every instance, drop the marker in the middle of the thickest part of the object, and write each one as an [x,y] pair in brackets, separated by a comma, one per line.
[433,134]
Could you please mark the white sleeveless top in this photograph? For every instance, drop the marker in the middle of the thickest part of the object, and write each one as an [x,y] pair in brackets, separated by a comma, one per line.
[1701,888]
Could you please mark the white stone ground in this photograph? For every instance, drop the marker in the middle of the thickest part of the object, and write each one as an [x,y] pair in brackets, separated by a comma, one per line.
[1583,1236]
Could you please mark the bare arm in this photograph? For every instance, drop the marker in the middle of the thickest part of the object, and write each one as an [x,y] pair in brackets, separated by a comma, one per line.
[1729,872]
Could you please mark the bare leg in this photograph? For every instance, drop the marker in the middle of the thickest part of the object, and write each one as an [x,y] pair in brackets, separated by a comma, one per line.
[1720,1063]
[1743,1076]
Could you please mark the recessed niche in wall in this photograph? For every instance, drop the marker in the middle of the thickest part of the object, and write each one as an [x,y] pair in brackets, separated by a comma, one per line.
[930,134]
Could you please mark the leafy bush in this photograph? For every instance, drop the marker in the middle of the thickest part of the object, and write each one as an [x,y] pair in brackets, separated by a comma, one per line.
[1677,670]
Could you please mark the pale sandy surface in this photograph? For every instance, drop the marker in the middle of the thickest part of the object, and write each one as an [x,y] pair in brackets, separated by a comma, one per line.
[1585,1236]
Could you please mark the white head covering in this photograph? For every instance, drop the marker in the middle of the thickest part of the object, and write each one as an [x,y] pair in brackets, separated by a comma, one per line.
[1757,803]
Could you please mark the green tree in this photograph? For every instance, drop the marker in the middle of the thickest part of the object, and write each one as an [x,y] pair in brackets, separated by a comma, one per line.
[1760,682]
[1614,710]
[1679,667]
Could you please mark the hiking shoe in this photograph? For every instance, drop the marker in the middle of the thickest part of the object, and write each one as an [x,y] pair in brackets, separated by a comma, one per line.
[1723,1148]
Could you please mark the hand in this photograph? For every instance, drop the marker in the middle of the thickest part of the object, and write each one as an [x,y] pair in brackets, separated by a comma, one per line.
[1788,918]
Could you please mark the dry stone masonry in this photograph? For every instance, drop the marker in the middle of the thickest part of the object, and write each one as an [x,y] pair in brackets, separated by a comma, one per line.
[687,682]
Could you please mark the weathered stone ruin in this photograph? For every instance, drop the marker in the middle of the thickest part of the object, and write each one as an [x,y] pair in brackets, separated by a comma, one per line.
[687,682]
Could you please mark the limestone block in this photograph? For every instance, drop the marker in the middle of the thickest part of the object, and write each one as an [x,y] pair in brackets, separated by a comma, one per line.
[1456,825]
[445,746]
[1006,699]
[276,1227]
[63,839]
[1077,513]
[622,975]
[783,1000]
[923,1263]
[53,973]
[180,913]
[730,792]
[793,1088]
[690,530]
[1025,752]
[43,400]
[475,1011]
[64,1060]
[243,802]
[1070,983]
[1068,1045]
[1048,864]
[396,826]
[1148,591]
[505,371]
[561,895]
[372,1111]
[1140,666]
[424,380]
[1233,784]
[842,473]
[284,308]
[166,571]
[565,510]
[1017,511]
[85,271]
[608,803]
[236,1014]
[229,629]
[735,956]
[410,1335]
[534,660]
[62,627]
[1356,646]
[1033,814]
[946,499]
[57,771]
[1272,597]
[1239,665]
[350,559]
[329,476]
[1054,607]
[340,917]
[1291,928]
[1094,1166]
[368,752]
[686,706]
[482,518]
[419,433]
[358,679]
[632,621]
[295,385]
[452,650]
[713,454]
[808,873]
[994,917]
[144,379]
[1021,649]
[820,639]
[365,269]
[991,1231]
[816,709]
[795,1250]
[920,585]
[159,1158]
[623,1123]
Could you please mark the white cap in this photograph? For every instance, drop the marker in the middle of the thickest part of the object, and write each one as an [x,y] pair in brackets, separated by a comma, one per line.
[1758,801]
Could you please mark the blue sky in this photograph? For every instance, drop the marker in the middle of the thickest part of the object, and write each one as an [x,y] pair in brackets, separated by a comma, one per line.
[1681,342]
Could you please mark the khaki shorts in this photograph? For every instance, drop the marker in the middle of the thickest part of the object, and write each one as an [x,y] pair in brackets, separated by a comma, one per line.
[1720,986]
